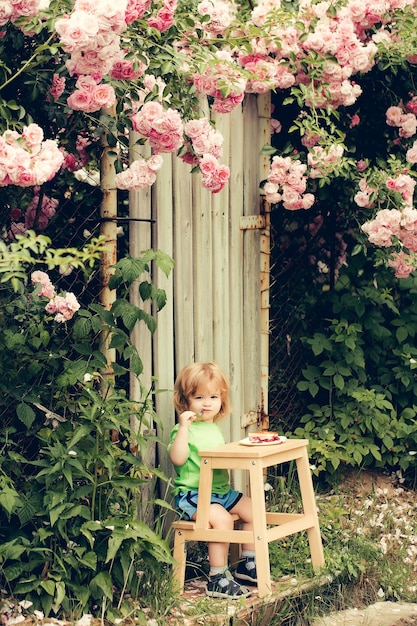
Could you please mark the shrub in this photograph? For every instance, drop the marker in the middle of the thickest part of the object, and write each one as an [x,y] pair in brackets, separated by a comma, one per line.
[72,444]
[362,375]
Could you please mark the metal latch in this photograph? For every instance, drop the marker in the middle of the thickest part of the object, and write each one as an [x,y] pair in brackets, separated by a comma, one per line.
[258,417]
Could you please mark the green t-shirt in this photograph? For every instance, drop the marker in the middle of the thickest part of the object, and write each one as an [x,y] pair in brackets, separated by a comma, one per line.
[201,436]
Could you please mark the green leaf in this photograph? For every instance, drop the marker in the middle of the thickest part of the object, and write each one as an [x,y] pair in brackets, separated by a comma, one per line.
[76,510]
[89,560]
[115,541]
[81,328]
[80,432]
[357,456]
[268,150]
[130,316]
[131,268]
[119,370]
[401,334]
[26,414]
[56,512]
[103,582]
[319,344]
[13,571]
[145,290]
[136,364]
[9,499]
[313,389]
[59,592]
[160,298]
[311,372]
[68,475]
[12,550]
[388,442]
[49,587]
[118,339]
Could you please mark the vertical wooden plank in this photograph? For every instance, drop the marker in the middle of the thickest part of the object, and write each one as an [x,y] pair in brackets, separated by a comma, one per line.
[202,263]
[202,272]
[264,116]
[235,295]
[251,251]
[164,336]
[221,267]
[184,264]
[140,239]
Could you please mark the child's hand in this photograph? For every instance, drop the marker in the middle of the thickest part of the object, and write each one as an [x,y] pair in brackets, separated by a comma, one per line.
[187,418]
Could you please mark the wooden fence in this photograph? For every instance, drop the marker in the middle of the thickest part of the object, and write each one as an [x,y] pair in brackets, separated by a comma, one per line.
[218,294]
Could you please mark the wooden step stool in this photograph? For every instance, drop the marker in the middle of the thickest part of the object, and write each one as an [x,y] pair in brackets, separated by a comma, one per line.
[266,526]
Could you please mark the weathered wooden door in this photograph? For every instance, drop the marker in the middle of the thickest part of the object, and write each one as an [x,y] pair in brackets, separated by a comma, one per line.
[218,293]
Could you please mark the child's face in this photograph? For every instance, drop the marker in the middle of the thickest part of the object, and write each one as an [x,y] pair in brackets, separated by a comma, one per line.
[206,402]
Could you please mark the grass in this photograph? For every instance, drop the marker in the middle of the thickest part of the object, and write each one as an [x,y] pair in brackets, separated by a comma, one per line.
[369,531]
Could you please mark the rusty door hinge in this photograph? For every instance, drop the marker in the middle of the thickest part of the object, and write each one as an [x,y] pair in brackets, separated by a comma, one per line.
[252,222]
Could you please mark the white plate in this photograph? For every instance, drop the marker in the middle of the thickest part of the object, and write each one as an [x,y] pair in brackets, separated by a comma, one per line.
[246,442]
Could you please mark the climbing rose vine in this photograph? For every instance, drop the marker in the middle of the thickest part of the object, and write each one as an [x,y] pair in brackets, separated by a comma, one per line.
[110,67]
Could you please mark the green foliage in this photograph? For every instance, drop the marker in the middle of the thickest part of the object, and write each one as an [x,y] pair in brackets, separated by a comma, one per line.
[361,375]
[72,443]
[32,249]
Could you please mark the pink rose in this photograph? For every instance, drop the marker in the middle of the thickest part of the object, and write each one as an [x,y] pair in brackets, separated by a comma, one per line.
[136,9]
[104,96]
[361,165]
[402,263]
[47,288]
[33,135]
[82,101]
[58,86]
[64,307]
[23,177]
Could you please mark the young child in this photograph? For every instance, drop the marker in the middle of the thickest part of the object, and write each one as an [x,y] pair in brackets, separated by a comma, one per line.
[201,398]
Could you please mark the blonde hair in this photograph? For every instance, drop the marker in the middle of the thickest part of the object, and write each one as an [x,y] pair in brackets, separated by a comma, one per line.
[191,376]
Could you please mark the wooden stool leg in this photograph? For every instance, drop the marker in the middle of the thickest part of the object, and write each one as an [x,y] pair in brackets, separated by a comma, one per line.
[260,531]
[180,556]
[310,508]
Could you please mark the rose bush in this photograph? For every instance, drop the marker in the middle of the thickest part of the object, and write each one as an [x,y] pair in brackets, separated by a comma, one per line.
[142,57]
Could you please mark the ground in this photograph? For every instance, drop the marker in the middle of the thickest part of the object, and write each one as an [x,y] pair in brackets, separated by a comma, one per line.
[360,486]
[380,614]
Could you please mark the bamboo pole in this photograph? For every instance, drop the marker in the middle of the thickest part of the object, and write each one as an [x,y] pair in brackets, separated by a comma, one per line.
[108,230]
[264,113]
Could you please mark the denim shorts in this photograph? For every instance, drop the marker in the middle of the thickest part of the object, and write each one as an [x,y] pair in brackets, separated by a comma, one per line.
[186,502]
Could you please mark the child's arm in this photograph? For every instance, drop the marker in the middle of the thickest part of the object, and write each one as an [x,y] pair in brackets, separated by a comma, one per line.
[178,452]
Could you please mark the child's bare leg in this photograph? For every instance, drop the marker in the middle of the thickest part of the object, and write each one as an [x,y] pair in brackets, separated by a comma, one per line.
[218,554]
[246,569]
[244,509]
[220,519]
[221,584]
